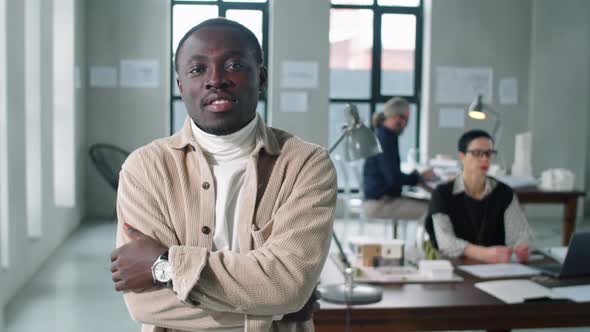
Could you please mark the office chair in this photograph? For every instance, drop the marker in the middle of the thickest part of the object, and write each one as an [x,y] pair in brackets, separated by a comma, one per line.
[108,160]
[353,172]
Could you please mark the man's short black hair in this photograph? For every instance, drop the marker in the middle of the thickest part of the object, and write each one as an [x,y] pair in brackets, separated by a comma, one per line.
[469,136]
[220,21]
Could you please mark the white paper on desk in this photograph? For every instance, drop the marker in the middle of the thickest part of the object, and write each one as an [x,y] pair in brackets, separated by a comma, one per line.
[508,90]
[514,291]
[451,118]
[487,271]
[299,74]
[294,101]
[575,293]
[459,85]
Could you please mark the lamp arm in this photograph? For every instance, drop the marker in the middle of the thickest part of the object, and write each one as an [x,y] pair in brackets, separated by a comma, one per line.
[497,131]
[341,253]
[342,136]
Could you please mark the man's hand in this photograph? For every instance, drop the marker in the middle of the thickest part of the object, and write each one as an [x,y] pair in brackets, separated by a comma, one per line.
[428,175]
[131,264]
[306,313]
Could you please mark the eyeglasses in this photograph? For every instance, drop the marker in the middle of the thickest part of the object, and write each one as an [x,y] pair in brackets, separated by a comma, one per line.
[481,153]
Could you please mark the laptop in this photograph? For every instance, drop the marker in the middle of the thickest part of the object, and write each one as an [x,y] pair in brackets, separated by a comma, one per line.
[577,259]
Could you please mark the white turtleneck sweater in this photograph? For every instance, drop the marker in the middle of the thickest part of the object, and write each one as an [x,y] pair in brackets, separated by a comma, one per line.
[227,157]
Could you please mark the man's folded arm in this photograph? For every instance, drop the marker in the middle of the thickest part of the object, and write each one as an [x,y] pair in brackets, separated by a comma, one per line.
[279,277]
[160,307]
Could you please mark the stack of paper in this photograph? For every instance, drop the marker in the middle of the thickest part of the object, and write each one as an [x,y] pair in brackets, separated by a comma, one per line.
[486,271]
[515,291]
[575,293]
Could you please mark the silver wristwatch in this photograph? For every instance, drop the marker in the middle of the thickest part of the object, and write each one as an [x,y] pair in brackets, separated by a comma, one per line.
[162,271]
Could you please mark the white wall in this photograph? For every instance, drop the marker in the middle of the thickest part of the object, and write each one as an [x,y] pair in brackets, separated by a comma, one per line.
[125,117]
[544,44]
[560,85]
[299,32]
[27,255]
[468,33]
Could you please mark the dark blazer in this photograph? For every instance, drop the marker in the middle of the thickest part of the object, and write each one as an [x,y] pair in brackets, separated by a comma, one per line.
[381,173]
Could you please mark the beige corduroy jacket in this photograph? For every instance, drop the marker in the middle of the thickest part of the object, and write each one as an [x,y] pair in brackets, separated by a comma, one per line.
[166,190]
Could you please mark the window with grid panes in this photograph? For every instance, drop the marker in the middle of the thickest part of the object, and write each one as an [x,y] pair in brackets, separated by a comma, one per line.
[375,54]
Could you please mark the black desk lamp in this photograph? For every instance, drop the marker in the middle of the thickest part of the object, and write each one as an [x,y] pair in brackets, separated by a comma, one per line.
[478,110]
[360,143]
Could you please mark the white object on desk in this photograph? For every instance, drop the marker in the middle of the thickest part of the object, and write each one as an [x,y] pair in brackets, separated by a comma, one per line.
[488,271]
[557,179]
[399,274]
[517,181]
[436,269]
[575,293]
[557,253]
[444,162]
[416,193]
[515,291]
[522,165]
[496,170]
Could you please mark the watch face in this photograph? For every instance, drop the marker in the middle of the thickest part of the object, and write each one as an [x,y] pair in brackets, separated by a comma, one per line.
[163,271]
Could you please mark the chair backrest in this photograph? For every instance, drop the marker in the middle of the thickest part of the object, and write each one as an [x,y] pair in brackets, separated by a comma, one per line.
[108,160]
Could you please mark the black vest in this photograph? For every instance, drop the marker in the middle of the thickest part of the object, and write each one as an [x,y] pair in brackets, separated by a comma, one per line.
[479,222]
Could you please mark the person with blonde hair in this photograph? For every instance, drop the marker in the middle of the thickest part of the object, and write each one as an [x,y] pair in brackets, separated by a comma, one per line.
[382,175]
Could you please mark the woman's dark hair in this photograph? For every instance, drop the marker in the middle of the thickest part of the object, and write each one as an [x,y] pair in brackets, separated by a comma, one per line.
[469,136]
[220,21]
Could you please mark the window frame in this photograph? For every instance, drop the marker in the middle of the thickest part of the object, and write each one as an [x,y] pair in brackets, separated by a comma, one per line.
[375,91]
[222,8]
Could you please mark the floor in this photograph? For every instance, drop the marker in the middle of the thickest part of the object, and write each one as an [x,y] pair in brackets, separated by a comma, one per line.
[73,292]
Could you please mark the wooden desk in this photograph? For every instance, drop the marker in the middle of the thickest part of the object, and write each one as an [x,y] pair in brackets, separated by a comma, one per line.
[569,199]
[444,306]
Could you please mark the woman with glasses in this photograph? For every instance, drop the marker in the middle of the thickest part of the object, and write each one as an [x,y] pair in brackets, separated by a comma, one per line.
[477,216]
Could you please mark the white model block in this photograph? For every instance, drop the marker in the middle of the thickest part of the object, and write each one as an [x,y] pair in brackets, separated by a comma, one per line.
[392,251]
[436,269]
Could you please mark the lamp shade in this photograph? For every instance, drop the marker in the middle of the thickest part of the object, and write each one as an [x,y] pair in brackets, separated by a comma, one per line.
[360,141]
[475,110]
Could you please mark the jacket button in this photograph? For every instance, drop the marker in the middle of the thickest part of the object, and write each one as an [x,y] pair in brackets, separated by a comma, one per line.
[206,230]
[206,185]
